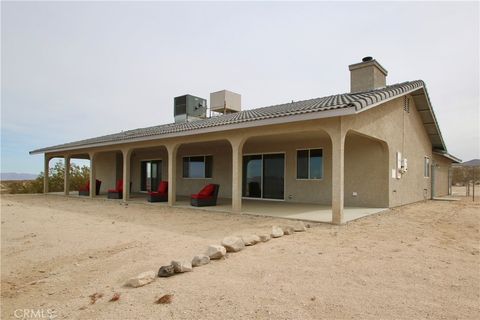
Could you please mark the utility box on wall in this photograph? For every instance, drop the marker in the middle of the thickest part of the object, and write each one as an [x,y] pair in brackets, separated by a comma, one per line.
[189,108]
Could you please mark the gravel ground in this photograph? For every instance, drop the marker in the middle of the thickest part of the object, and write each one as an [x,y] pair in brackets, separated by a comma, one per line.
[417,261]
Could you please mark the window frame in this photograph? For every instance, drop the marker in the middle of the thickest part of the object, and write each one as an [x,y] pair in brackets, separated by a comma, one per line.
[308,165]
[204,167]
[284,174]
[142,160]
[427,165]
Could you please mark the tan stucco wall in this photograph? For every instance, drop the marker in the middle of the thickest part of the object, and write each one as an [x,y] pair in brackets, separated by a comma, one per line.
[403,132]
[105,170]
[366,172]
[441,170]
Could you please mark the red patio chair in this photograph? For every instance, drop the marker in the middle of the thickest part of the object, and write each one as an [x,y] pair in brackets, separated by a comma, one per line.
[85,191]
[206,197]
[161,195]
[116,193]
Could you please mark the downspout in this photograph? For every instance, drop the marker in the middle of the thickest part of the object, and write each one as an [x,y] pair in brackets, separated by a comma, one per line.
[432,178]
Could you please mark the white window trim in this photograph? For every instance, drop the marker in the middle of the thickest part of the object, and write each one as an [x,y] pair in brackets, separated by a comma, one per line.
[296,164]
[204,169]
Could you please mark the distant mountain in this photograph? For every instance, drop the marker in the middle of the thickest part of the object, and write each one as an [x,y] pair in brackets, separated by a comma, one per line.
[473,162]
[4,176]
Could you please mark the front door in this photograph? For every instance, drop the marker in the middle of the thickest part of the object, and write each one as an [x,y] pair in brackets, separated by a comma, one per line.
[264,176]
[151,175]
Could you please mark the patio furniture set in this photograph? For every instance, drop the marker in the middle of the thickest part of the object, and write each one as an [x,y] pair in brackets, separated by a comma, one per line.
[206,197]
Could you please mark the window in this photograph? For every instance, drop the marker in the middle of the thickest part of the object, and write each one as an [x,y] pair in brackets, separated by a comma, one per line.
[197,167]
[310,164]
[426,167]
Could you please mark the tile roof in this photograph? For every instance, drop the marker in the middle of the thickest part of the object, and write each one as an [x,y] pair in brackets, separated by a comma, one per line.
[358,100]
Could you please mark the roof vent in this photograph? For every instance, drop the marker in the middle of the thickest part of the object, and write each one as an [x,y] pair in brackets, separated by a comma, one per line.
[366,59]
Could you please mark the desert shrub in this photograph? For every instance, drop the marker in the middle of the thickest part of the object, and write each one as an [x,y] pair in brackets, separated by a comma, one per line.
[463,175]
[79,176]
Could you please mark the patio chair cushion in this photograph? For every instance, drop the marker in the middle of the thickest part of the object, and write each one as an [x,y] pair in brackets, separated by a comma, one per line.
[86,188]
[118,188]
[207,191]
[163,187]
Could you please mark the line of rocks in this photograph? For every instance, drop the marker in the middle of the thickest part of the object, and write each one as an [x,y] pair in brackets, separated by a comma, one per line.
[214,252]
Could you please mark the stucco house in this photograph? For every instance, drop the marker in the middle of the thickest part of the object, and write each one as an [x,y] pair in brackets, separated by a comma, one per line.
[378,146]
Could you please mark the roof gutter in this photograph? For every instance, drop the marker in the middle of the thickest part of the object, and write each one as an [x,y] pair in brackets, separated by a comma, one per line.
[448,156]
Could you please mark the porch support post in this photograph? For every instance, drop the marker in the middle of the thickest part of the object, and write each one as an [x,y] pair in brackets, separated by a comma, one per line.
[93,178]
[237,147]
[338,161]
[46,162]
[172,173]
[66,176]
[126,173]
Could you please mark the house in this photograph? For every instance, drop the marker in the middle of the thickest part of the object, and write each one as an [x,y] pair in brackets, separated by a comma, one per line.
[377,146]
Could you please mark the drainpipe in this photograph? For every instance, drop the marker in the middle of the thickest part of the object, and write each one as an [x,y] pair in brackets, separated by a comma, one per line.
[433,180]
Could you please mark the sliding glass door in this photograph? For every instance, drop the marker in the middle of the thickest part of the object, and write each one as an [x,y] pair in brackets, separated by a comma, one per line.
[151,175]
[264,176]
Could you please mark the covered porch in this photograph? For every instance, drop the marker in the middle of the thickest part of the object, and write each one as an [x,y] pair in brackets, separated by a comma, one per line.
[321,174]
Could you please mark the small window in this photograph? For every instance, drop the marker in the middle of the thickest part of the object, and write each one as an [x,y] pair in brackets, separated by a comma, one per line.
[310,164]
[197,167]
[426,167]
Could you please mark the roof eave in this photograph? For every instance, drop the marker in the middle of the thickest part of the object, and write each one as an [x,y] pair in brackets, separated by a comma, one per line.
[256,123]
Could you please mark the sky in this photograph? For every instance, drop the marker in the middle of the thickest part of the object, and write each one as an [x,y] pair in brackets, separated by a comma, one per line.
[75,70]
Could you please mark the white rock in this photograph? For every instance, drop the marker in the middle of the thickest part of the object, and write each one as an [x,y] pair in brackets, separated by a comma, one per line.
[142,279]
[250,239]
[200,260]
[182,266]
[215,251]
[287,230]
[299,226]
[276,232]
[233,244]
[264,237]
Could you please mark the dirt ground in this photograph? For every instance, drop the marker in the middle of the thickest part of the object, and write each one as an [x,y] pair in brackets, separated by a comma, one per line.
[417,261]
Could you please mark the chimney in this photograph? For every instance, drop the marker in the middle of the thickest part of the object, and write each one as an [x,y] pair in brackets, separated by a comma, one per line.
[367,75]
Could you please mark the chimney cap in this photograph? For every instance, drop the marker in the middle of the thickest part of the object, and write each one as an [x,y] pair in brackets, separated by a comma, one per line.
[368,63]
[367,58]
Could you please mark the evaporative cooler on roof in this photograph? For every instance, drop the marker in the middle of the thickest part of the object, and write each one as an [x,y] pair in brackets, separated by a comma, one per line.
[189,108]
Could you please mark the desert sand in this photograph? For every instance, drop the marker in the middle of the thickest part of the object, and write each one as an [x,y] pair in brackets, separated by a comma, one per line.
[413,262]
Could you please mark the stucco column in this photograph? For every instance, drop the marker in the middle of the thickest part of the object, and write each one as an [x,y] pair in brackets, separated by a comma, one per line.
[66,176]
[46,169]
[172,174]
[93,178]
[237,147]
[126,174]
[338,161]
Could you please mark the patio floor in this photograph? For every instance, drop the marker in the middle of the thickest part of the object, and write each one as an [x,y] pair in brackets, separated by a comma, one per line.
[279,209]
[289,210]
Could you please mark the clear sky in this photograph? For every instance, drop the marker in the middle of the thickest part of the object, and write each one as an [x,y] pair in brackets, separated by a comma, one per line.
[76,70]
